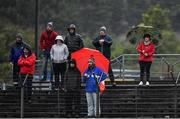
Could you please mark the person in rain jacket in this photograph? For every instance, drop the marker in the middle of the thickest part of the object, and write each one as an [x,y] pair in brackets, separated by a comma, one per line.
[90,76]
[47,39]
[26,63]
[103,43]
[73,90]
[15,52]
[59,53]
[73,40]
[146,51]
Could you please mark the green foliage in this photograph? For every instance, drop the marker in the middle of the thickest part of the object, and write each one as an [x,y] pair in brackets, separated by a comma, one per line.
[5,72]
[157,17]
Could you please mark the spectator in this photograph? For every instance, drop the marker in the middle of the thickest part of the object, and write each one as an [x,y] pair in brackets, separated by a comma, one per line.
[15,52]
[90,76]
[47,39]
[103,43]
[73,40]
[59,53]
[26,63]
[146,51]
[73,88]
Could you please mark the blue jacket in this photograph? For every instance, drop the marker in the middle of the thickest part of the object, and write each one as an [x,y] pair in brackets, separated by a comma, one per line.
[16,51]
[88,78]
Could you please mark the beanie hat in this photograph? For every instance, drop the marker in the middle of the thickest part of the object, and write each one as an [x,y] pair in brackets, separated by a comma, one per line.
[19,35]
[103,28]
[50,24]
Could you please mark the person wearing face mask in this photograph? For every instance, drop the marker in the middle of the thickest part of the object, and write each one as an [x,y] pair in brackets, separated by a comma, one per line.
[90,76]
[146,50]
[59,53]
[26,63]
[73,40]
[103,43]
[47,39]
[15,52]
[73,90]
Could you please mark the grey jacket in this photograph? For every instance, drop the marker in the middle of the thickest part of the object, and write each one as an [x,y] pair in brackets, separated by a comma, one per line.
[59,53]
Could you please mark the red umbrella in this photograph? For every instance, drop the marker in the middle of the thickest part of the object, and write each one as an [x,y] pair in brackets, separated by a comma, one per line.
[82,56]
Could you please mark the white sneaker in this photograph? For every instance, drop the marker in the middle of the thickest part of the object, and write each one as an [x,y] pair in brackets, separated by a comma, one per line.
[140,83]
[147,83]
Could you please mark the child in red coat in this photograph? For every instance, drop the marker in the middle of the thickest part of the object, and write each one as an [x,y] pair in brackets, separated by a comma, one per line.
[146,51]
[26,63]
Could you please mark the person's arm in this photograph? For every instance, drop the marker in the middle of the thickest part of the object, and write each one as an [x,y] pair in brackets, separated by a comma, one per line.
[42,46]
[108,41]
[81,43]
[151,51]
[21,61]
[11,55]
[66,52]
[52,53]
[30,61]
[96,43]
[139,48]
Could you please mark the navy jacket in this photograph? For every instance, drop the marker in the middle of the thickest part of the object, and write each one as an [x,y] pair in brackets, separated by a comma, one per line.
[16,51]
[105,49]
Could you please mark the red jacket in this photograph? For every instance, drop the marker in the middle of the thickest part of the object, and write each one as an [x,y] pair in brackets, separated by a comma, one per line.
[149,49]
[27,65]
[46,41]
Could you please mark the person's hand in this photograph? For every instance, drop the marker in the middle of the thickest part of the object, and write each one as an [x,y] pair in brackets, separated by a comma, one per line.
[143,51]
[43,50]
[101,41]
[11,63]
[146,54]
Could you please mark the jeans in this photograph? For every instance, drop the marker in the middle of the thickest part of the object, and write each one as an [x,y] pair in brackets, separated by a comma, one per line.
[46,57]
[91,103]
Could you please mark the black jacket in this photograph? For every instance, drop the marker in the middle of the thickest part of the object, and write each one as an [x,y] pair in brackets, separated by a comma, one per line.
[74,42]
[73,79]
[105,49]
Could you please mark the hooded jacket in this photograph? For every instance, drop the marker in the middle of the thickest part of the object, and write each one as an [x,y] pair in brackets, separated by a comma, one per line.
[74,42]
[149,49]
[89,79]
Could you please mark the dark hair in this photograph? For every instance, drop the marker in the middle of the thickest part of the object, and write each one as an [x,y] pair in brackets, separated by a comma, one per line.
[147,35]
[29,50]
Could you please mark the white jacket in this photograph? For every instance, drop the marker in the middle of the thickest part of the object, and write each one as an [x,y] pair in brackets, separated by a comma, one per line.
[59,53]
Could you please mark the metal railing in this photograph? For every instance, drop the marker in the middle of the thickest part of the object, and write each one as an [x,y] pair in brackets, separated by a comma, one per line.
[164,66]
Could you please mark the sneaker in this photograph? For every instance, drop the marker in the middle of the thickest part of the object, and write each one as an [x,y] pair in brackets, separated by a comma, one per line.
[140,83]
[147,83]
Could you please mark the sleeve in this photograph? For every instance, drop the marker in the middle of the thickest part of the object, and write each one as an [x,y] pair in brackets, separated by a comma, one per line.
[139,48]
[11,54]
[21,61]
[52,53]
[108,41]
[85,76]
[151,51]
[81,43]
[66,52]
[30,61]
[103,75]
[42,46]
[96,42]
[66,40]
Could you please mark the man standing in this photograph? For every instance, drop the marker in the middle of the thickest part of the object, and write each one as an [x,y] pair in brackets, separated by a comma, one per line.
[15,52]
[47,39]
[103,43]
[73,40]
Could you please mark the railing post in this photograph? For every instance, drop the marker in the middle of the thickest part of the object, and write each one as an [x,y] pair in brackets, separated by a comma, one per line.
[161,77]
[22,101]
[123,66]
